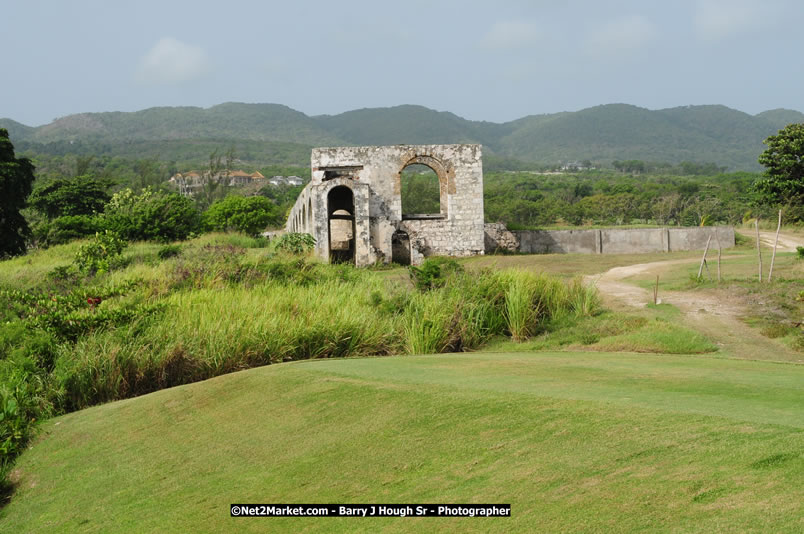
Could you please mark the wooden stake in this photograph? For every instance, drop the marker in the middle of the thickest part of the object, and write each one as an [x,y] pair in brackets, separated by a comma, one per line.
[759,250]
[773,257]
[700,269]
[656,291]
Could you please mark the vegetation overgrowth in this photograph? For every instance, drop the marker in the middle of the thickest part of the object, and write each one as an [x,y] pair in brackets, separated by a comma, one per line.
[96,321]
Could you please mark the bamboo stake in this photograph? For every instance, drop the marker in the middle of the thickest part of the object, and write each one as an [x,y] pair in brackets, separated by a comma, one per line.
[703,260]
[759,250]
[656,291]
[773,257]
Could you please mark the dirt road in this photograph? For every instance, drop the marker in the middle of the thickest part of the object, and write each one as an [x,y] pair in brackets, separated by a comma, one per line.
[713,312]
[787,242]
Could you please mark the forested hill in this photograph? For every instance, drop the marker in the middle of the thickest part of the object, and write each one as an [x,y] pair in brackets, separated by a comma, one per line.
[715,134]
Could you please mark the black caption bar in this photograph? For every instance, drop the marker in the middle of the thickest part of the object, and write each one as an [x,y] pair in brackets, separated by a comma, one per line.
[370,510]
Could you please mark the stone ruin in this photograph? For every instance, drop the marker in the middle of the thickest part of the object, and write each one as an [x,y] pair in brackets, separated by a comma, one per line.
[353,204]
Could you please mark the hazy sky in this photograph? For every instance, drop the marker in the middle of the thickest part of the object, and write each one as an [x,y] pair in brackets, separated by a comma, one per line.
[492,60]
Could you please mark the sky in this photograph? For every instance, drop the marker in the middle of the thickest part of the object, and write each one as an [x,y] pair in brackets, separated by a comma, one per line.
[493,60]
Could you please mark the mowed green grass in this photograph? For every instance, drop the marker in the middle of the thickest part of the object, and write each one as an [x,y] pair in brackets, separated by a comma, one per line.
[574,441]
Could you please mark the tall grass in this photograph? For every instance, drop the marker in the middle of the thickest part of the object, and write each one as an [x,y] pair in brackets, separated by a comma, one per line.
[220,304]
[521,309]
[534,299]
[427,322]
[228,307]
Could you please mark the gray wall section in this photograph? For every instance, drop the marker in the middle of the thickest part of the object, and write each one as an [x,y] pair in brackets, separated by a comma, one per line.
[622,240]
[557,241]
[632,241]
[695,238]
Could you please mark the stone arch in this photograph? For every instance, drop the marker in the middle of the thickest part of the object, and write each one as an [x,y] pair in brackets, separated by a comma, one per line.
[341,224]
[446,180]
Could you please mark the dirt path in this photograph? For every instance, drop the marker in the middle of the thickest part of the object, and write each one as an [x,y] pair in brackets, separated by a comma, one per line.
[787,242]
[714,313]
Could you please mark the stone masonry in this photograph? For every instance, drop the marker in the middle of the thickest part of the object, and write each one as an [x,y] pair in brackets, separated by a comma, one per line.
[353,204]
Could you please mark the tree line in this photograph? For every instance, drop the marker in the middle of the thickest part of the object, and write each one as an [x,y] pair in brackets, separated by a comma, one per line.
[79,195]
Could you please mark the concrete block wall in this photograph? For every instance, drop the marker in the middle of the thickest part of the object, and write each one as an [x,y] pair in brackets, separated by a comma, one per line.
[608,241]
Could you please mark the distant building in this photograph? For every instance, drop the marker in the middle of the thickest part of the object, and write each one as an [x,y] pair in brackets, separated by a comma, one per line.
[285,180]
[576,166]
[191,182]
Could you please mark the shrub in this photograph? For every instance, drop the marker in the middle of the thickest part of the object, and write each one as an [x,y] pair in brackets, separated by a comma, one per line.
[101,254]
[248,215]
[168,251]
[296,243]
[151,215]
[800,253]
[22,404]
[64,229]
[434,272]
[69,316]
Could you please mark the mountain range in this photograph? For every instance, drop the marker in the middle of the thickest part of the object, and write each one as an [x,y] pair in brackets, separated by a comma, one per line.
[715,133]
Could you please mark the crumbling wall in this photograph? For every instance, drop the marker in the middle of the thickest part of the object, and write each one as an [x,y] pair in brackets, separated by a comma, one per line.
[498,238]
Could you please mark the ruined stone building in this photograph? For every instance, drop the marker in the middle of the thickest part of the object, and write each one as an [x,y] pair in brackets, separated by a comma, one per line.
[353,204]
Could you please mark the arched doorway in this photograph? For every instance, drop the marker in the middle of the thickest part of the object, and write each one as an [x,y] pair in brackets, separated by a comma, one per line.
[341,215]
[400,248]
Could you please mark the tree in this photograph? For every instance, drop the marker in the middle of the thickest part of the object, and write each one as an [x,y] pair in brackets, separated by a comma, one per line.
[151,215]
[16,182]
[82,195]
[784,175]
[248,215]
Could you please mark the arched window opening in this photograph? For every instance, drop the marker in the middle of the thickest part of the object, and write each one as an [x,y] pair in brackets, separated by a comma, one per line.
[341,209]
[421,193]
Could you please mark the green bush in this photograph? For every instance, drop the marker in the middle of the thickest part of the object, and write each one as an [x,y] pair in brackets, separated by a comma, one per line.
[67,317]
[800,253]
[434,272]
[101,254]
[168,251]
[295,243]
[151,215]
[23,403]
[248,215]
[67,228]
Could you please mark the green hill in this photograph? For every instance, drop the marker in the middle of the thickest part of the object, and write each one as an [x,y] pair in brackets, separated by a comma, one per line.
[409,125]
[259,122]
[15,129]
[575,442]
[715,134]
[779,118]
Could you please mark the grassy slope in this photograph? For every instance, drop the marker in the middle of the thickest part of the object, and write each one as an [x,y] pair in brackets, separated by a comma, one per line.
[574,441]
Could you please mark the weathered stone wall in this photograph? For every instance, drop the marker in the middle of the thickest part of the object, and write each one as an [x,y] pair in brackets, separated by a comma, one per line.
[498,238]
[615,240]
[373,175]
